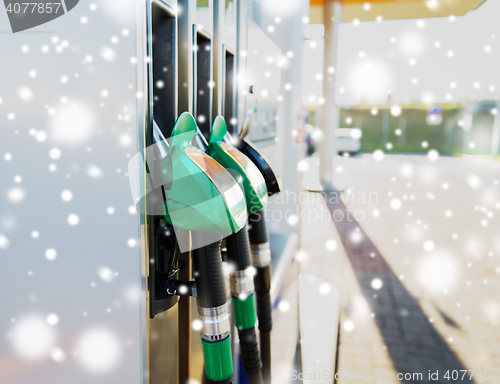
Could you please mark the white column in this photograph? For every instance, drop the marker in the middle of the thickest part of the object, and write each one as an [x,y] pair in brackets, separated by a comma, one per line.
[448,131]
[402,137]
[385,127]
[495,136]
[467,120]
[331,112]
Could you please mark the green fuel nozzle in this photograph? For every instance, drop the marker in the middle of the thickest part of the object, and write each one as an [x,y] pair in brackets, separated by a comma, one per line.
[199,194]
[241,168]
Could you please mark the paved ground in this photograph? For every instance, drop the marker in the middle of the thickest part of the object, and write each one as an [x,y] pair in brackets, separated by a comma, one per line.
[418,267]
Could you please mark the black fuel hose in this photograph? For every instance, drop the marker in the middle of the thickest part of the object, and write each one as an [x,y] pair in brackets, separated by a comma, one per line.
[209,276]
[261,258]
[242,291]
[212,308]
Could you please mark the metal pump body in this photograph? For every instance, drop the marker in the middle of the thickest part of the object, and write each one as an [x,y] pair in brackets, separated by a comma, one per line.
[200,196]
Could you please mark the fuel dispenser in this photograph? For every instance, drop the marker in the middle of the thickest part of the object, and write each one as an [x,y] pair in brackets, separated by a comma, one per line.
[193,204]
[202,201]
[261,252]
[201,198]
[238,247]
[253,176]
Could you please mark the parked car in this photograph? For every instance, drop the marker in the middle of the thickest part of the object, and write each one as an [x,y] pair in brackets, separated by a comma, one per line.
[348,140]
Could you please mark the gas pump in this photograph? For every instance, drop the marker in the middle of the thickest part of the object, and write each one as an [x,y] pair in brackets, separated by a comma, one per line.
[200,196]
[238,247]
[253,183]
[261,253]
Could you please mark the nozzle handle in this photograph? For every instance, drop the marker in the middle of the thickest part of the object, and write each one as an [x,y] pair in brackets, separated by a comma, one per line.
[245,129]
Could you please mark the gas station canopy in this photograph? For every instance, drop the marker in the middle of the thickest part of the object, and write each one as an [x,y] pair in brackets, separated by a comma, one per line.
[373,10]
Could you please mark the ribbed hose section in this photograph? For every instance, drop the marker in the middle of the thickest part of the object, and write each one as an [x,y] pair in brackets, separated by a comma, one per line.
[265,346]
[265,312]
[209,276]
[262,281]
[238,250]
[258,227]
[250,356]
[228,381]
[205,380]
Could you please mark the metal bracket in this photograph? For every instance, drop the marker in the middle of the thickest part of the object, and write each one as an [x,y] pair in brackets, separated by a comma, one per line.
[181,288]
[174,287]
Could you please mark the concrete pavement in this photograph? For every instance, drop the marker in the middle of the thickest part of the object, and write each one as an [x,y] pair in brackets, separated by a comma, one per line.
[416,263]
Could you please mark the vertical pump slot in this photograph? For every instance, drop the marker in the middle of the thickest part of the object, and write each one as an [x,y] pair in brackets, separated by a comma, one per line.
[162,93]
[229,90]
[164,68]
[203,79]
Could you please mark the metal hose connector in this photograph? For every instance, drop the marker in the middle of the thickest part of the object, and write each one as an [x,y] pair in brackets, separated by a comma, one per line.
[241,283]
[215,322]
[261,254]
